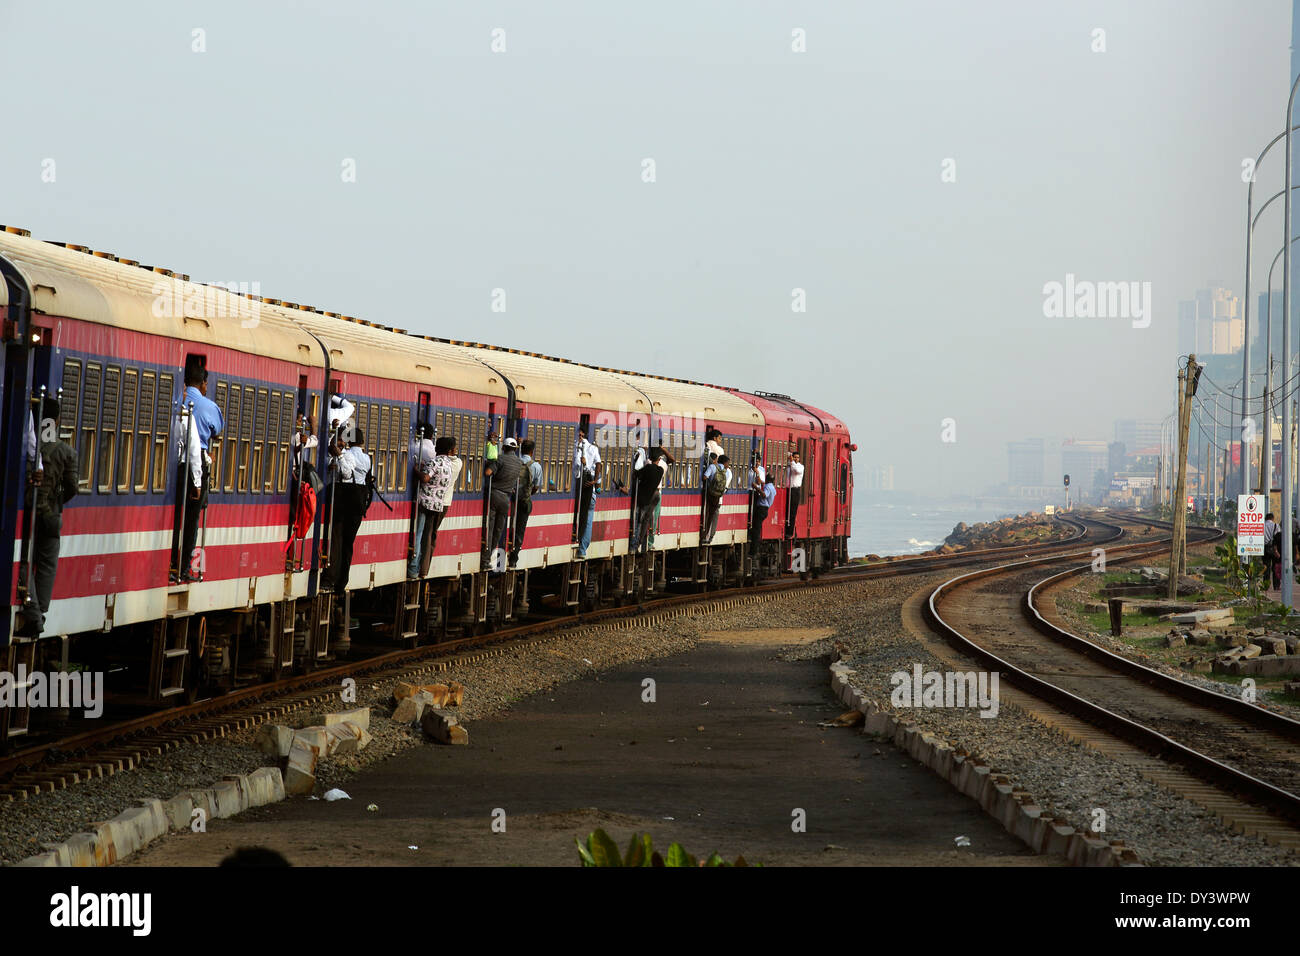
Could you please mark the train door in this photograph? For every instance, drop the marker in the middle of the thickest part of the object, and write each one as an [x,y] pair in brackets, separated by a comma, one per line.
[823,483]
[806,453]
[186,564]
[579,518]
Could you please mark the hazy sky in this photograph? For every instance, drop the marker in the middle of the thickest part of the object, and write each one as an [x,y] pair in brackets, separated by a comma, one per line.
[774,170]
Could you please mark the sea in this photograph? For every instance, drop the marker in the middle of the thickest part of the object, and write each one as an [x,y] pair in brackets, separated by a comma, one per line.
[902,527]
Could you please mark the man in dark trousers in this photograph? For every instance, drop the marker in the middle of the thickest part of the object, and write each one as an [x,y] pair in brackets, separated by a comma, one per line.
[505,471]
[54,482]
[530,483]
[201,427]
[351,467]
[649,469]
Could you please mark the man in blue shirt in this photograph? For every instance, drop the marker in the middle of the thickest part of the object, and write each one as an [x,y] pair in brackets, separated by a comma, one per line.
[762,505]
[204,424]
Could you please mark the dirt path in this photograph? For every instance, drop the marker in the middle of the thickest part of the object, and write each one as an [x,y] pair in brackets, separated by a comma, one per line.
[722,758]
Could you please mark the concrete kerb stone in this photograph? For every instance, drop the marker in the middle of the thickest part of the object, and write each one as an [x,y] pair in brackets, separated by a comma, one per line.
[994,792]
[178,810]
[137,827]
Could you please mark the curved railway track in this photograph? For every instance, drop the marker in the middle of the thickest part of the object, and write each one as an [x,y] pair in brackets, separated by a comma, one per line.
[1169,727]
[122,745]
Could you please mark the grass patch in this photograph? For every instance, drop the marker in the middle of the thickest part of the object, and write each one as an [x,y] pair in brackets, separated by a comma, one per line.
[1101,621]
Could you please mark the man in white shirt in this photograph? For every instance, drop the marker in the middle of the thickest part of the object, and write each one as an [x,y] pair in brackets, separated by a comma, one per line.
[712,449]
[340,411]
[351,467]
[587,469]
[795,493]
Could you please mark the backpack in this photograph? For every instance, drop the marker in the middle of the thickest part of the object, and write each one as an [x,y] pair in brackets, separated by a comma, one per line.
[717,482]
[306,512]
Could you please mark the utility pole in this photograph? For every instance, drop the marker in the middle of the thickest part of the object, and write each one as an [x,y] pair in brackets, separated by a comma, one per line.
[1177,547]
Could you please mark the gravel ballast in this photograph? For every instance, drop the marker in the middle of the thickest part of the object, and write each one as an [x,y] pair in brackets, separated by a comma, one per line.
[865,619]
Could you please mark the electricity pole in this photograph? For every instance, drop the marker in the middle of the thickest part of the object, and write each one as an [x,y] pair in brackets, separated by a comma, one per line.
[1187,378]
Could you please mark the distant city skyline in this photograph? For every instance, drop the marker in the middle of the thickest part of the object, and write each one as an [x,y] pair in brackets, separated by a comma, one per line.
[716,203]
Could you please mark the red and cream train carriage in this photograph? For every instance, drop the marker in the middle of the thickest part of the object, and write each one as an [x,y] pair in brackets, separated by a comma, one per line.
[116,337]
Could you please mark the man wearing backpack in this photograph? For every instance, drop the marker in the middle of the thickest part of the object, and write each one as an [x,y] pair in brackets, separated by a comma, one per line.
[530,483]
[717,478]
[54,484]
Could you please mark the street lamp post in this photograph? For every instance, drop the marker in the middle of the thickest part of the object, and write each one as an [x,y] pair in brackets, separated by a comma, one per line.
[1288,570]
[1250,223]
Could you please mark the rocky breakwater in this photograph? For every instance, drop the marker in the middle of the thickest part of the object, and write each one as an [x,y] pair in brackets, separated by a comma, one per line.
[1030,528]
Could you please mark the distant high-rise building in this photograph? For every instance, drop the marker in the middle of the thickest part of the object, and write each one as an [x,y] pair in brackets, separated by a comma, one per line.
[1211,323]
[1115,456]
[1082,460]
[880,478]
[1137,435]
[1025,461]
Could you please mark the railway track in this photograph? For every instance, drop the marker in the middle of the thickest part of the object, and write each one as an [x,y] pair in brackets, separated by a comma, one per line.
[1177,733]
[123,745]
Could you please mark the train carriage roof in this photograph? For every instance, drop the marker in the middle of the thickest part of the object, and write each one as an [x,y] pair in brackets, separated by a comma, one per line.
[554,381]
[711,405]
[79,283]
[364,348]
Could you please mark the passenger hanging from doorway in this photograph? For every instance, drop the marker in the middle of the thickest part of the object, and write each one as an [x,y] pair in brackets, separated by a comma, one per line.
[54,483]
[304,443]
[350,466]
[762,506]
[587,469]
[423,451]
[505,471]
[193,465]
[795,493]
[530,483]
[493,447]
[712,449]
[716,481]
[660,458]
[340,412]
[433,503]
[757,476]
[650,467]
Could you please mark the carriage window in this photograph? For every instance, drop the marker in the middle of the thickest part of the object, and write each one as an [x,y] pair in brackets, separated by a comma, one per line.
[108,419]
[144,432]
[285,436]
[265,423]
[162,423]
[404,449]
[231,443]
[246,436]
[126,435]
[68,402]
[216,443]
[89,416]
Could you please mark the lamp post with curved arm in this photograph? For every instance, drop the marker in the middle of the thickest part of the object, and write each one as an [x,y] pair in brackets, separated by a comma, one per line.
[1250,225]
[1288,569]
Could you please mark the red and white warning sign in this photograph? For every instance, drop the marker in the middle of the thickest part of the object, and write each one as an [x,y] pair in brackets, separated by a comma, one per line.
[1250,525]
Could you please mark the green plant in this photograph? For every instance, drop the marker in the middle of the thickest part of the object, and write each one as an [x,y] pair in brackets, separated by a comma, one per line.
[601,850]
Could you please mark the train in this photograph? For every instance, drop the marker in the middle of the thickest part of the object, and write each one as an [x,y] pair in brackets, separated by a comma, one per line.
[110,339]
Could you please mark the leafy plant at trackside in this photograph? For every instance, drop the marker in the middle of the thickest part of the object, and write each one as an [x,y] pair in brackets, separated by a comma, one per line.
[601,850]
[1244,579]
